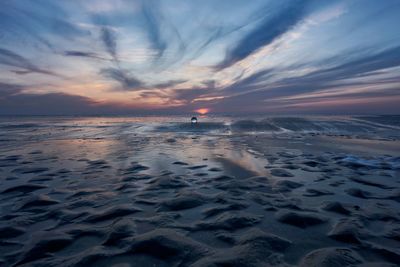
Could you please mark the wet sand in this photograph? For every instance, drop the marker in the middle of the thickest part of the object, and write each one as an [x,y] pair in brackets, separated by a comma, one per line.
[146,192]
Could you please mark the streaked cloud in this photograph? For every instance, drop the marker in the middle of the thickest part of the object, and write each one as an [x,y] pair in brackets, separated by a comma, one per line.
[109,40]
[24,66]
[272,26]
[128,82]
[153,21]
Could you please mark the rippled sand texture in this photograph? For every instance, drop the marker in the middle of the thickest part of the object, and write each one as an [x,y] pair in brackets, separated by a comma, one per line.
[248,192]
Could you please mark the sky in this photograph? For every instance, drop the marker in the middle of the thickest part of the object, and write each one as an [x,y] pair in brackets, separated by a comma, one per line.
[176,56]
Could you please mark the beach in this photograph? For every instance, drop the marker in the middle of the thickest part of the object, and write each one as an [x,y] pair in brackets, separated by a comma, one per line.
[227,191]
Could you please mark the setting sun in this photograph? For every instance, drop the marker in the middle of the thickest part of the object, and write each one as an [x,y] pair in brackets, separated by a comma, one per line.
[202,111]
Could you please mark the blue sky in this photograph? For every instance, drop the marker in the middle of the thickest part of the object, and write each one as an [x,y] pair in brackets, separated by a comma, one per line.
[176,56]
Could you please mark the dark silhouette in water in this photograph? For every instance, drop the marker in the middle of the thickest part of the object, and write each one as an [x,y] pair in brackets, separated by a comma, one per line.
[193,120]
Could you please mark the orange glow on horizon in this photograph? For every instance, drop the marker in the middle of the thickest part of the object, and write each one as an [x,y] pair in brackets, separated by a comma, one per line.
[202,111]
